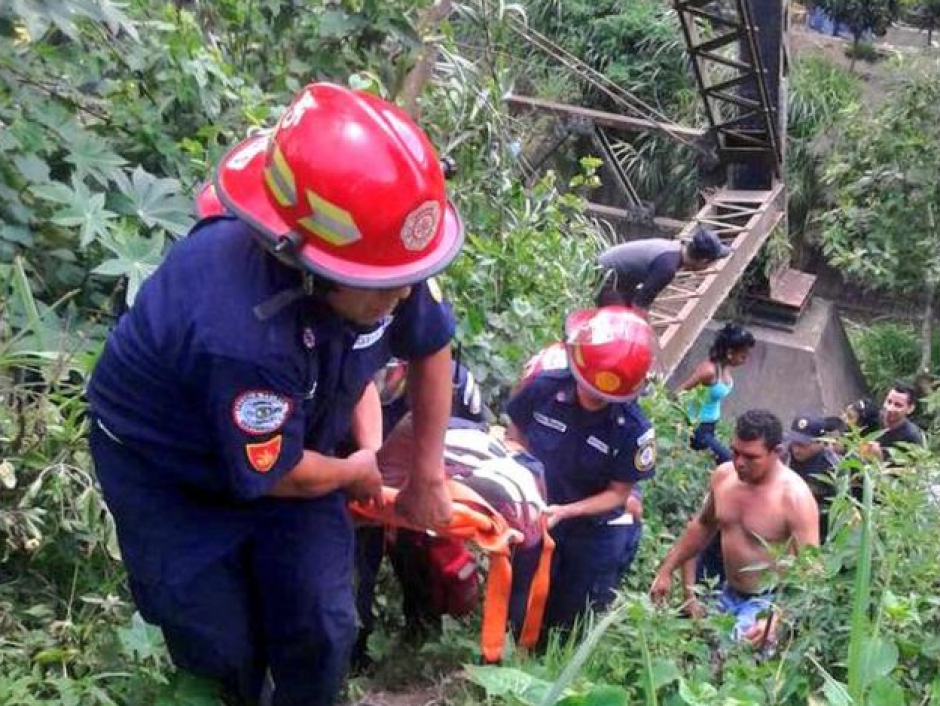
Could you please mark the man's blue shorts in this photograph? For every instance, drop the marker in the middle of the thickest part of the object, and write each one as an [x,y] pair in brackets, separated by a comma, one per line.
[747,608]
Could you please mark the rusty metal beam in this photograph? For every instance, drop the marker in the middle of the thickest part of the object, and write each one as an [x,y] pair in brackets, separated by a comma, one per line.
[681,315]
[611,120]
[602,211]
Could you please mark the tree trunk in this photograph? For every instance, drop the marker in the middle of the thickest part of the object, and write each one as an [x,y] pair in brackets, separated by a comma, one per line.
[929,37]
[856,40]
[926,332]
[926,329]
[419,75]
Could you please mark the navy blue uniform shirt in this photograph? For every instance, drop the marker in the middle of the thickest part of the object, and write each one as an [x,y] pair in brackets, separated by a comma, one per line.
[225,398]
[582,451]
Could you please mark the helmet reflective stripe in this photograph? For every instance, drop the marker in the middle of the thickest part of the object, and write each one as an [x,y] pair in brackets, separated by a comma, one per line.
[329,222]
[280,179]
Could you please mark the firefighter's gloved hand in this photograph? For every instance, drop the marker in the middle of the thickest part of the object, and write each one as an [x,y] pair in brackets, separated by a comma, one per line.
[425,502]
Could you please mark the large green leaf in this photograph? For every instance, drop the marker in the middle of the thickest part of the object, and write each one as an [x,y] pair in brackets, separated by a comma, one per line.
[92,156]
[34,169]
[157,202]
[887,692]
[337,24]
[880,657]
[509,681]
[39,15]
[141,640]
[81,208]
[136,258]
[603,695]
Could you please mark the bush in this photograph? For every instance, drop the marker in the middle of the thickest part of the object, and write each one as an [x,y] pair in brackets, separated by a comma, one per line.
[886,351]
[865,51]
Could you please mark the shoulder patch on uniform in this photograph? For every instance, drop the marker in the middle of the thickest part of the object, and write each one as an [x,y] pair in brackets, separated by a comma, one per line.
[260,412]
[598,444]
[647,437]
[645,457]
[263,456]
[550,422]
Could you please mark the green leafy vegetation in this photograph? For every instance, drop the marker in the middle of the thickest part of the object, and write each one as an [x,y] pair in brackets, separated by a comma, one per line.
[113,113]
[883,227]
[821,96]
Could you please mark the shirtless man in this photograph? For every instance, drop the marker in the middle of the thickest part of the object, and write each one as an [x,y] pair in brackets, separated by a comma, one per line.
[754,500]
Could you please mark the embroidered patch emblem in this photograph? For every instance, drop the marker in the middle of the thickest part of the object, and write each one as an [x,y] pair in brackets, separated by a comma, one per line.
[550,422]
[263,456]
[645,458]
[259,412]
[421,225]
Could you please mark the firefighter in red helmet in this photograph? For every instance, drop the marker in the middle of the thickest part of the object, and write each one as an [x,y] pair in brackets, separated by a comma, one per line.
[583,423]
[247,356]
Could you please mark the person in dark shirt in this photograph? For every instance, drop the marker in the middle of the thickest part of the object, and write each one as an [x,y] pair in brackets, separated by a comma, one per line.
[862,414]
[221,396]
[814,459]
[896,410]
[641,269]
[584,424]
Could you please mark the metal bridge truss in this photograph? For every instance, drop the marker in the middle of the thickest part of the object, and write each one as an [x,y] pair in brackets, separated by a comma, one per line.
[721,39]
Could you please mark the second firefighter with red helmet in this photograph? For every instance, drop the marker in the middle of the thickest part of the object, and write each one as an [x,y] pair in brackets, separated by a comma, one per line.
[220,397]
[583,423]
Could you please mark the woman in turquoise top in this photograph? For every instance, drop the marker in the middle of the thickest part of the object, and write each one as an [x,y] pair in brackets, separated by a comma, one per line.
[730,350]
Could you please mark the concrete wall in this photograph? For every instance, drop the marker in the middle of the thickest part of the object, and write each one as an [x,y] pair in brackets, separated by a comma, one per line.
[809,370]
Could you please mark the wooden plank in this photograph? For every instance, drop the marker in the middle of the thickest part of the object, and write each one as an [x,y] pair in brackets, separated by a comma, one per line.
[676,340]
[791,287]
[741,196]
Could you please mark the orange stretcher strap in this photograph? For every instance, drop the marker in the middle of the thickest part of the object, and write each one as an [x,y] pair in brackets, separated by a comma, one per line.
[474,519]
[538,592]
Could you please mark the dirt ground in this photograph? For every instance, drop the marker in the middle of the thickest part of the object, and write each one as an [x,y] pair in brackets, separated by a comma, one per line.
[426,696]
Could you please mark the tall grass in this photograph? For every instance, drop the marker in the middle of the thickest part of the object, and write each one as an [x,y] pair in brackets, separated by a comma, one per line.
[859,636]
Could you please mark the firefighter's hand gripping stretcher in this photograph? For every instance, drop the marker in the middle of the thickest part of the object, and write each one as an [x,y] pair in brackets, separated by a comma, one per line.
[497,506]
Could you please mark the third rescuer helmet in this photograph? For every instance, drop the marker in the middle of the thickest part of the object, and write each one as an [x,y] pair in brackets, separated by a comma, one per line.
[610,351]
[350,186]
[207,202]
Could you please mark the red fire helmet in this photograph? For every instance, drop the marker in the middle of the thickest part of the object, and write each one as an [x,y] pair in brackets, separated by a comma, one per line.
[610,351]
[351,184]
[207,202]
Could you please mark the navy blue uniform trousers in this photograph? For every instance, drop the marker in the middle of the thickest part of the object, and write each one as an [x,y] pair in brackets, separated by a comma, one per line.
[589,562]
[280,599]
